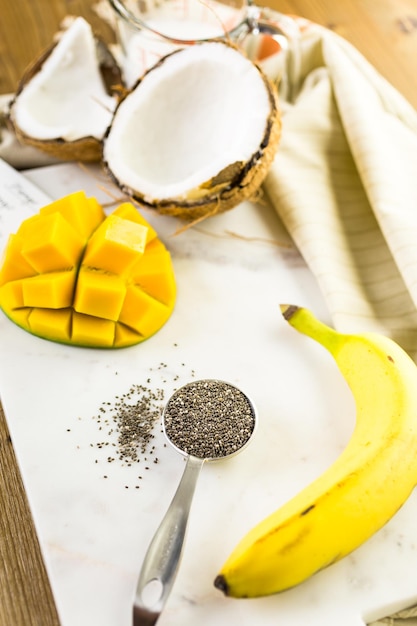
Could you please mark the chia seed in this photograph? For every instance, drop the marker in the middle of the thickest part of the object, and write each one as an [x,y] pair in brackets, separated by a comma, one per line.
[132,418]
[209,419]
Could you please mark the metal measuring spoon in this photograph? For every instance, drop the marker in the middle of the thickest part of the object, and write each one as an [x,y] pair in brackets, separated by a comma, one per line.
[205,420]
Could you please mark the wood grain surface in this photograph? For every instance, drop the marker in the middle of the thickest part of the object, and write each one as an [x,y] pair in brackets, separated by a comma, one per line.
[385,31]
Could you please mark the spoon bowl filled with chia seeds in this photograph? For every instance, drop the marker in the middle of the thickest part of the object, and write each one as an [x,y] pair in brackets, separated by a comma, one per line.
[205,420]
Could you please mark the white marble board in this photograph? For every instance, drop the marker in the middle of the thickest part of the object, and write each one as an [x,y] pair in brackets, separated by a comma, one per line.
[94,531]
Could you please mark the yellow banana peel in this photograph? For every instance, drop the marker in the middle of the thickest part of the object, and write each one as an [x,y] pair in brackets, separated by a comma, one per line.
[359,492]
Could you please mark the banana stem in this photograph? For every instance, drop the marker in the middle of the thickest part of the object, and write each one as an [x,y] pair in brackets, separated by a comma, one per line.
[304,321]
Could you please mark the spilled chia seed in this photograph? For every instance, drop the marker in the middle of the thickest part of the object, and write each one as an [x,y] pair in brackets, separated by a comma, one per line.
[132,417]
[128,424]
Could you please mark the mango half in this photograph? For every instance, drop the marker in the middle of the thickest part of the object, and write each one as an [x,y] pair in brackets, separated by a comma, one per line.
[73,275]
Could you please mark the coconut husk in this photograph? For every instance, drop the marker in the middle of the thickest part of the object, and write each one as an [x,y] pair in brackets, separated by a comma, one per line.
[237,182]
[86,149]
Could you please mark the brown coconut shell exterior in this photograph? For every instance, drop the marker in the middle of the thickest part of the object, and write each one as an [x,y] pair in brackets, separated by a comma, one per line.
[86,149]
[236,183]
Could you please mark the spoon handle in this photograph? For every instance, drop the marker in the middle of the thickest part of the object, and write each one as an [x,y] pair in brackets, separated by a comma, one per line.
[162,559]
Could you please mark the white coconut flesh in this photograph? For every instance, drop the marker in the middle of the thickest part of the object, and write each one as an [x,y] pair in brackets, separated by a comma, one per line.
[190,117]
[66,98]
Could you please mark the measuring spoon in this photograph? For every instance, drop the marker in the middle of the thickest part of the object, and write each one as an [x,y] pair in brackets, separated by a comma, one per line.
[205,420]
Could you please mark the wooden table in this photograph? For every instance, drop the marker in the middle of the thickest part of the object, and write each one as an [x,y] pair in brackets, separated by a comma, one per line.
[384,31]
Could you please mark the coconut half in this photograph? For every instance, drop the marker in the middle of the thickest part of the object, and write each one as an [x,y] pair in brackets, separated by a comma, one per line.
[197,133]
[66,99]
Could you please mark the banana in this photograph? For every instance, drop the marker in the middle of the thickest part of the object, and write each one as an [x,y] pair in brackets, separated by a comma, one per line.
[359,492]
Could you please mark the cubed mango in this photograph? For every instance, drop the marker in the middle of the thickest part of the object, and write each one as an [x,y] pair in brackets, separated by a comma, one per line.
[83,213]
[14,265]
[72,275]
[115,245]
[52,244]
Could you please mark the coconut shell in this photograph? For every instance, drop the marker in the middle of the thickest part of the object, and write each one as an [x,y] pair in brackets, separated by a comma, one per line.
[86,149]
[237,182]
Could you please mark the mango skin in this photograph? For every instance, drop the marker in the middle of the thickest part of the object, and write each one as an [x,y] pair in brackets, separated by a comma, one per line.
[72,275]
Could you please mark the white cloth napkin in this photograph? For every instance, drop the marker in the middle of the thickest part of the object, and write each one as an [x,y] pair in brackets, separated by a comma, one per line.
[344,182]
